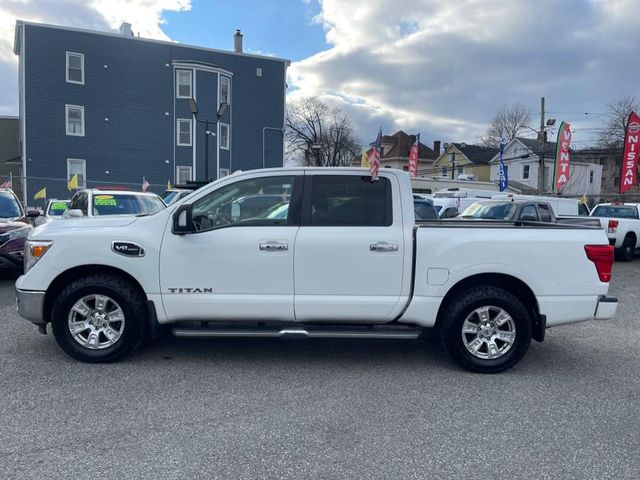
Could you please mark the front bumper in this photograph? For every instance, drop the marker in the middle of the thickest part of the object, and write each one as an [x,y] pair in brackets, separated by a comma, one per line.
[606,308]
[31,305]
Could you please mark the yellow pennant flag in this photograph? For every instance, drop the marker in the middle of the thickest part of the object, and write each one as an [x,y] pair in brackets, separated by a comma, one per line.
[41,194]
[584,200]
[365,159]
[73,183]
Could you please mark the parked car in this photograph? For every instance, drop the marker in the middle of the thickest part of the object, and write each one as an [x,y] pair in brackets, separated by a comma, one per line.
[96,202]
[174,194]
[521,211]
[622,224]
[424,209]
[14,227]
[349,261]
[562,207]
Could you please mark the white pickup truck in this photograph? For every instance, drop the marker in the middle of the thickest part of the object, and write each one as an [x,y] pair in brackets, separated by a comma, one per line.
[621,221]
[346,261]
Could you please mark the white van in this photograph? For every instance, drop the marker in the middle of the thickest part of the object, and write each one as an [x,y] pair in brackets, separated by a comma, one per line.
[451,207]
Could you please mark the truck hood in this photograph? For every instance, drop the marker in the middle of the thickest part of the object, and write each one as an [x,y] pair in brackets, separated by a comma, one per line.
[79,225]
[8,225]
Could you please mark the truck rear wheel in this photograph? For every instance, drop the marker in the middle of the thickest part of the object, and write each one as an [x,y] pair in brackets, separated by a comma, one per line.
[485,329]
[627,251]
[99,318]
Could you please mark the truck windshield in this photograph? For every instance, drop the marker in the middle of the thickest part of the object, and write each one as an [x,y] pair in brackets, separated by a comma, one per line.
[615,211]
[123,204]
[9,207]
[489,211]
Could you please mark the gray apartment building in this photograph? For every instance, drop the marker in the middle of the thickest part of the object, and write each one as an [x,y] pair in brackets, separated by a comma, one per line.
[114,108]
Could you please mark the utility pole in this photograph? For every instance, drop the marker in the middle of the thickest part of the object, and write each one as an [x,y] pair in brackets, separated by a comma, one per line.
[542,137]
[453,165]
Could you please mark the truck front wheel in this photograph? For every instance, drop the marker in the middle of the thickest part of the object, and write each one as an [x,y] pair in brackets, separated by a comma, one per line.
[485,329]
[99,318]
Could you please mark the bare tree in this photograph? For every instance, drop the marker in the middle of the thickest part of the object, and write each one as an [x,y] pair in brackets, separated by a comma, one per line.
[322,136]
[511,120]
[615,125]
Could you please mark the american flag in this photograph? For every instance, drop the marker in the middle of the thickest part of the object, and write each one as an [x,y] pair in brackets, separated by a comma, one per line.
[7,184]
[145,184]
[374,156]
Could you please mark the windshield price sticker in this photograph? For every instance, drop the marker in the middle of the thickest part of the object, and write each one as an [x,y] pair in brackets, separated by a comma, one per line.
[105,202]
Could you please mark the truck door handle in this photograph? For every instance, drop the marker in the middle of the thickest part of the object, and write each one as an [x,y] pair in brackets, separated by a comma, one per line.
[274,247]
[383,247]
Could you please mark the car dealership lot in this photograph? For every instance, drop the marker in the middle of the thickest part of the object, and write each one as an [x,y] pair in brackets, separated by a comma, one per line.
[249,408]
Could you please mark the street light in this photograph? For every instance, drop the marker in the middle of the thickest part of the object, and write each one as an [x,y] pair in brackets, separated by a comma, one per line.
[193,106]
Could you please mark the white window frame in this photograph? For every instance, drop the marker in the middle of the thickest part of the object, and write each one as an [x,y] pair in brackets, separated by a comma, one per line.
[228,99]
[178,122]
[528,172]
[81,55]
[183,168]
[81,184]
[222,147]
[68,107]
[190,73]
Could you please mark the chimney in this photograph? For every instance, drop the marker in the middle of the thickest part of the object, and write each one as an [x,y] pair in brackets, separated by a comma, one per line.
[436,146]
[237,41]
[125,29]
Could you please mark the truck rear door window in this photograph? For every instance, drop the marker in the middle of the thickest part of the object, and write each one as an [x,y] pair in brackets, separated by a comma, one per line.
[349,200]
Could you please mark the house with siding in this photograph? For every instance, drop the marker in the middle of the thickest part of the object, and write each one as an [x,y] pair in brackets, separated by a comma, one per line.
[114,108]
[462,159]
[522,158]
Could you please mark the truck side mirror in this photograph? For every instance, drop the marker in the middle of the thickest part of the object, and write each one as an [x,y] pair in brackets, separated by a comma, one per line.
[33,213]
[182,220]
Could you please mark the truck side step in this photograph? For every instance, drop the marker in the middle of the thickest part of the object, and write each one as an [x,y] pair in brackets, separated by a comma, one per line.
[406,333]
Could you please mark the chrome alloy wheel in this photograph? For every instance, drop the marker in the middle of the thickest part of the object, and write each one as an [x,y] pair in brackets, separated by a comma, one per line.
[488,332]
[96,321]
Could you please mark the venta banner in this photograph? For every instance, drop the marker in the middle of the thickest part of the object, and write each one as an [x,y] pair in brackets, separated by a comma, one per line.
[413,157]
[629,176]
[562,167]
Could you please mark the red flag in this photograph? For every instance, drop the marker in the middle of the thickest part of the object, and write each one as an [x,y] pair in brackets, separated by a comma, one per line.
[413,157]
[145,184]
[562,169]
[374,156]
[629,176]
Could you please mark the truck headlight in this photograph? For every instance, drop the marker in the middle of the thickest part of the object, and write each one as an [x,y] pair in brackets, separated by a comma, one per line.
[34,250]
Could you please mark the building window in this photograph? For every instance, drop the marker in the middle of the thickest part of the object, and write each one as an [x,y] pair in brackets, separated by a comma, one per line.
[591,176]
[75,120]
[616,181]
[75,68]
[183,84]
[77,166]
[460,169]
[444,171]
[526,170]
[184,132]
[225,90]
[183,175]
[224,136]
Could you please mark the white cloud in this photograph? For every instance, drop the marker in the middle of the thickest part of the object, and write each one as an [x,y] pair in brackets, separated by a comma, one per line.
[105,15]
[443,68]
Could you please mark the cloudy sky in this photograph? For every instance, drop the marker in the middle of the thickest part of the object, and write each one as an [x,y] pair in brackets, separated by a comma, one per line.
[438,67]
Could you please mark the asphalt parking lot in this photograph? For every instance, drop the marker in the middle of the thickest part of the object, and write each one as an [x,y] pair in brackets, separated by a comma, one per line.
[255,408]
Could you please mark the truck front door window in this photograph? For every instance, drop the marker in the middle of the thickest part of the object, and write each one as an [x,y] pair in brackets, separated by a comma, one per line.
[255,202]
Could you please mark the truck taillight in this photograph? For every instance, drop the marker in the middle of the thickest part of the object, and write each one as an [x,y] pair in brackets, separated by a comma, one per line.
[613,226]
[602,257]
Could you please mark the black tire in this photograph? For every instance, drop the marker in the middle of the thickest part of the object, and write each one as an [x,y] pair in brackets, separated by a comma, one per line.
[456,311]
[121,291]
[627,251]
